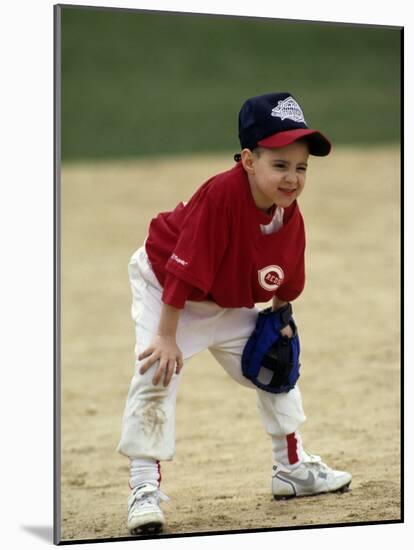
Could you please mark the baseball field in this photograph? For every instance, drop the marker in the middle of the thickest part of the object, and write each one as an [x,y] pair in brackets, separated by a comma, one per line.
[348,318]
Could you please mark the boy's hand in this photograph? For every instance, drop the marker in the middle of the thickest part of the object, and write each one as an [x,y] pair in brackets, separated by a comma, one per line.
[287,331]
[165,350]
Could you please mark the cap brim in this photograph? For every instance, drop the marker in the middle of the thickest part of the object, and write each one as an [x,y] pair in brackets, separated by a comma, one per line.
[319,145]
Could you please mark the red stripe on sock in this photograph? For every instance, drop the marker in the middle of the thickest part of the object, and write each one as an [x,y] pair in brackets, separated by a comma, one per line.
[159,473]
[292,445]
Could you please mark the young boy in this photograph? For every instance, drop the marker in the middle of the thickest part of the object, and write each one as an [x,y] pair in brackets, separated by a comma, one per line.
[238,241]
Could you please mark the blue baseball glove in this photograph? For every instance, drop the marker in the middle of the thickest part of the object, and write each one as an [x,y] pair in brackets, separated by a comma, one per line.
[271,360]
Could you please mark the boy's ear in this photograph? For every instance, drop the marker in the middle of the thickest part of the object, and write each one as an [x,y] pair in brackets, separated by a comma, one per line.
[247,159]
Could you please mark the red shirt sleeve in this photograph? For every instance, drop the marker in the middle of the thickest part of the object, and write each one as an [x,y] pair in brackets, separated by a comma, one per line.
[203,239]
[295,285]
[176,291]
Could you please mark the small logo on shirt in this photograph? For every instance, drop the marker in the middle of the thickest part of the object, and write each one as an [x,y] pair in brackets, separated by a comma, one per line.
[271,277]
[178,260]
[288,108]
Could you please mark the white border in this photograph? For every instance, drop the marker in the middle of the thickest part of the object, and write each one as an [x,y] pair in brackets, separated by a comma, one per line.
[27,237]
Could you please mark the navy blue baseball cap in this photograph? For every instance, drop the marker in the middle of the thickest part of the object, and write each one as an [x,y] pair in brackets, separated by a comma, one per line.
[276,120]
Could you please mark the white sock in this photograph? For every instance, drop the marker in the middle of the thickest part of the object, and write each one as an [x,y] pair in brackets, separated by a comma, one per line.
[288,450]
[144,470]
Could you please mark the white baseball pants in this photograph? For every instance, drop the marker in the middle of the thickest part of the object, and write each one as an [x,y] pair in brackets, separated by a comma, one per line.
[148,426]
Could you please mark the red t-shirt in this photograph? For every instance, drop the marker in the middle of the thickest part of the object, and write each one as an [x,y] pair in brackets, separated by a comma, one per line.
[212,248]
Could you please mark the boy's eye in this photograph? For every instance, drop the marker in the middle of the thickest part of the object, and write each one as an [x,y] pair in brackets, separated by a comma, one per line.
[283,166]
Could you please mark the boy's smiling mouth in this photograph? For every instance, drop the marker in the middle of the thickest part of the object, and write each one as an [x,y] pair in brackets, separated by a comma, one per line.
[286,191]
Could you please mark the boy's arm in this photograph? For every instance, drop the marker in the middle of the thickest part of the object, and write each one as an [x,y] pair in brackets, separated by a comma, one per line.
[276,304]
[164,347]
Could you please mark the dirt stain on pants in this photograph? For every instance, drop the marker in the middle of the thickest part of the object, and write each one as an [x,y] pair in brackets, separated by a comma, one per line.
[153,419]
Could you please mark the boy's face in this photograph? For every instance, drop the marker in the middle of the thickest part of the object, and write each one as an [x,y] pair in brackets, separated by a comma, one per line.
[276,176]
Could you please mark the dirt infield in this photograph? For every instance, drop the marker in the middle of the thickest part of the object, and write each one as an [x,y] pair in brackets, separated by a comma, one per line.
[348,319]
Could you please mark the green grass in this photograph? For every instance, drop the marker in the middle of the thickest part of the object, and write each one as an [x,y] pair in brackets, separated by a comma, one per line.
[141,83]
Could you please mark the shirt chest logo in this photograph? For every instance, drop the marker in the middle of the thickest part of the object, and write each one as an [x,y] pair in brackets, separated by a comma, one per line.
[271,277]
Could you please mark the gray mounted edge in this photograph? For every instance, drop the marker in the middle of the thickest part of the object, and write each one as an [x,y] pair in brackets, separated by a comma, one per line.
[56,273]
[160,11]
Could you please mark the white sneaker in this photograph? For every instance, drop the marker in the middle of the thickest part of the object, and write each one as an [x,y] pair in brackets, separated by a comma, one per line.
[310,477]
[144,513]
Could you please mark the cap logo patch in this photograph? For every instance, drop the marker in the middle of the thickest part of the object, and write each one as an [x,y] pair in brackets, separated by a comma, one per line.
[288,108]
